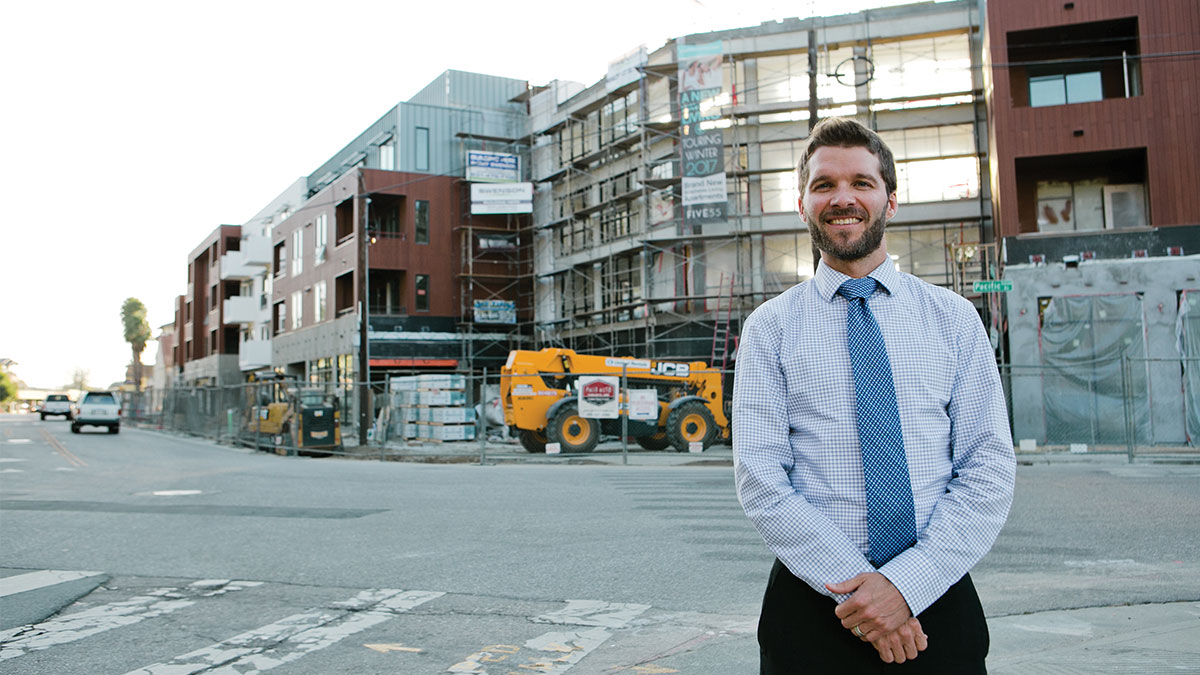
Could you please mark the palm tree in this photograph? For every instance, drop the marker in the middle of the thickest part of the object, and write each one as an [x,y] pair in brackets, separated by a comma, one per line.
[137,333]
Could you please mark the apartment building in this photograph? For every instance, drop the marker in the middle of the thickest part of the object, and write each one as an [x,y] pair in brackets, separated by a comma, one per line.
[388,223]
[251,266]
[666,203]
[1094,170]
[206,345]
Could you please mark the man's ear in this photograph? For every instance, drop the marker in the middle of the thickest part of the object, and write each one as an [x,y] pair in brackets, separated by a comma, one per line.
[893,206]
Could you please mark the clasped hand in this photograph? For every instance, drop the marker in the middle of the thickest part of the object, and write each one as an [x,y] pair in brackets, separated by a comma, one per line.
[881,615]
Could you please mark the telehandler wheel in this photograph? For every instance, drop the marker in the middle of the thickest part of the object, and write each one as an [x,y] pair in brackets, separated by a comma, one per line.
[573,433]
[691,423]
[533,440]
[657,441]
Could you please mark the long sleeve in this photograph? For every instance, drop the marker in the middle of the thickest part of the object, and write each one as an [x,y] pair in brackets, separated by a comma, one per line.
[967,518]
[812,547]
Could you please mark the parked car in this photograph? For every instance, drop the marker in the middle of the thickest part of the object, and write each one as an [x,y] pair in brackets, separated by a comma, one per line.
[98,408]
[56,404]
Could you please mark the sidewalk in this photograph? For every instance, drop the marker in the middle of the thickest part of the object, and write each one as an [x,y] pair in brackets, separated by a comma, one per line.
[1158,638]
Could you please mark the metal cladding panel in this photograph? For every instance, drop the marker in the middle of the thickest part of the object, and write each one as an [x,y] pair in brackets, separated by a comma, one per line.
[446,148]
[337,164]
[472,90]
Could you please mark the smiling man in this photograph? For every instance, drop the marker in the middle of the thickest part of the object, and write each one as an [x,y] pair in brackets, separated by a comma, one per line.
[871,442]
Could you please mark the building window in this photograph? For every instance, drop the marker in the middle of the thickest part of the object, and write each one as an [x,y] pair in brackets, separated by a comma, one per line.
[280,260]
[319,302]
[343,219]
[320,239]
[280,317]
[421,148]
[1075,63]
[1083,192]
[1060,89]
[622,283]
[297,252]
[422,287]
[387,156]
[422,222]
[297,309]
[614,223]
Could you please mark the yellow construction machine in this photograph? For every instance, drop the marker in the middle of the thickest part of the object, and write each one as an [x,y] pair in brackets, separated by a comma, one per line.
[289,418]
[540,394]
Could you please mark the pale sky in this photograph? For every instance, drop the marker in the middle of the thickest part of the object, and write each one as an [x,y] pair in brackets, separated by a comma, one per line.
[131,130]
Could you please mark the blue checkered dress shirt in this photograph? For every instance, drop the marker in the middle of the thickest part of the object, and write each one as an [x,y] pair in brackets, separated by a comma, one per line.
[795,436]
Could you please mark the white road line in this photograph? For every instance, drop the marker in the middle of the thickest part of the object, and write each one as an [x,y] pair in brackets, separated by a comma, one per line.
[554,653]
[24,639]
[293,637]
[34,580]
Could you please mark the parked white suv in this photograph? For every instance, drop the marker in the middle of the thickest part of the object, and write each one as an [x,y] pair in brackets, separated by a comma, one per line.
[98,408]
[56,404]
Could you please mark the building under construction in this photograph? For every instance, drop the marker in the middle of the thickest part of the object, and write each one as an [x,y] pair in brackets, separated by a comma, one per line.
[665,207]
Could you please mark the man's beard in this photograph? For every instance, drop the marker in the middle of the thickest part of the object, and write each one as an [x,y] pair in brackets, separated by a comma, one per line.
[850,251]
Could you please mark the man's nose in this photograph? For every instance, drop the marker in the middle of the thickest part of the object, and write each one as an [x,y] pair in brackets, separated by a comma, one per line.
[842,197]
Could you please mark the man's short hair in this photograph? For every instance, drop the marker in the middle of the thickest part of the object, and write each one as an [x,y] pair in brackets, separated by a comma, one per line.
[844,132]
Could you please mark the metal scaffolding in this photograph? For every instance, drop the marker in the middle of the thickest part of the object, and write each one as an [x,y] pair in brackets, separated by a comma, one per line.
[626,275]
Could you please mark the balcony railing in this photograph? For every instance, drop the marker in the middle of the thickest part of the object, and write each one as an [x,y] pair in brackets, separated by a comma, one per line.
[243,309]
[254,354]
[233,266]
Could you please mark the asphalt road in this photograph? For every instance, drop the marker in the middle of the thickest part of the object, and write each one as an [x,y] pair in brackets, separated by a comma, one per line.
[181,556]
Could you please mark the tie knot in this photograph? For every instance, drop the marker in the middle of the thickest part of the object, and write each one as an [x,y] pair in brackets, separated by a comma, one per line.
[854,289]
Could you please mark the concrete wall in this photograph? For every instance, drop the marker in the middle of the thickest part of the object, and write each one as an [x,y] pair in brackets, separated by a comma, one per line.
[1159,281]
[324,340]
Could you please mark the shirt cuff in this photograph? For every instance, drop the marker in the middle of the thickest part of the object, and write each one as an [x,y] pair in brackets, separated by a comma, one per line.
[917,579]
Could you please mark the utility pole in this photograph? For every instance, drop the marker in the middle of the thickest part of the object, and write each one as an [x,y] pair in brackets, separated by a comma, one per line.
[812,114]
[364,315]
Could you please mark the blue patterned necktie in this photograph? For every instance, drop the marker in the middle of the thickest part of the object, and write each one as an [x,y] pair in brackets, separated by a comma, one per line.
[891,523]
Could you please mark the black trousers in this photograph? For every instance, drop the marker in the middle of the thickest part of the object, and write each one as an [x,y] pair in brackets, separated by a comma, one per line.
[799,633]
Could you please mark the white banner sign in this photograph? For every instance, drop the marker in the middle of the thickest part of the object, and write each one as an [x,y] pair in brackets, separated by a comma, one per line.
[501,198]
[494,167]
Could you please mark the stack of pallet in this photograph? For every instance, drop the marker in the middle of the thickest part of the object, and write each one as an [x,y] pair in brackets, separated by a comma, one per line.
[432,407]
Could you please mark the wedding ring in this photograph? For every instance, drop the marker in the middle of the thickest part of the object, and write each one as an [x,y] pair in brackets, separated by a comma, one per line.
[858,632]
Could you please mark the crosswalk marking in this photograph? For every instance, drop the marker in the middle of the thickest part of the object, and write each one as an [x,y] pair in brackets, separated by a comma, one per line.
[22,583]
[580,628]
[19,641]
[293,637]
[556,651]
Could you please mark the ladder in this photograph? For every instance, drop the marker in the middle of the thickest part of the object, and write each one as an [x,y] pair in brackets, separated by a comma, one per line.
[722,334]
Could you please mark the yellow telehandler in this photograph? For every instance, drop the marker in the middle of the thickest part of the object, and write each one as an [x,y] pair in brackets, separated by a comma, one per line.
[540,395]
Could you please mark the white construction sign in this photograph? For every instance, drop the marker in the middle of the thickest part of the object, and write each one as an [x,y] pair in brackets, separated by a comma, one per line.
[643,404]
[598,397]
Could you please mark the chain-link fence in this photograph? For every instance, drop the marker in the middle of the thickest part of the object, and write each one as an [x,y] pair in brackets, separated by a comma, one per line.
[424,413]
[1130,406]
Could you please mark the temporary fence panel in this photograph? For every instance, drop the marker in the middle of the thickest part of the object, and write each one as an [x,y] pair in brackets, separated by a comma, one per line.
[1085,387]
[1187,333]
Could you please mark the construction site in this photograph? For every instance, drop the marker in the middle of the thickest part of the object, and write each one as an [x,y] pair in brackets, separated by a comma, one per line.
[647,215]
[626,263]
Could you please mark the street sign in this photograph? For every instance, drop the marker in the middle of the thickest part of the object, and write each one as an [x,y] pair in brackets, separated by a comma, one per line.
[992,286]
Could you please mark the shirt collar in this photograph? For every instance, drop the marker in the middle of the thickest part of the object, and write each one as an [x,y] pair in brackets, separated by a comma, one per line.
[829,280]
